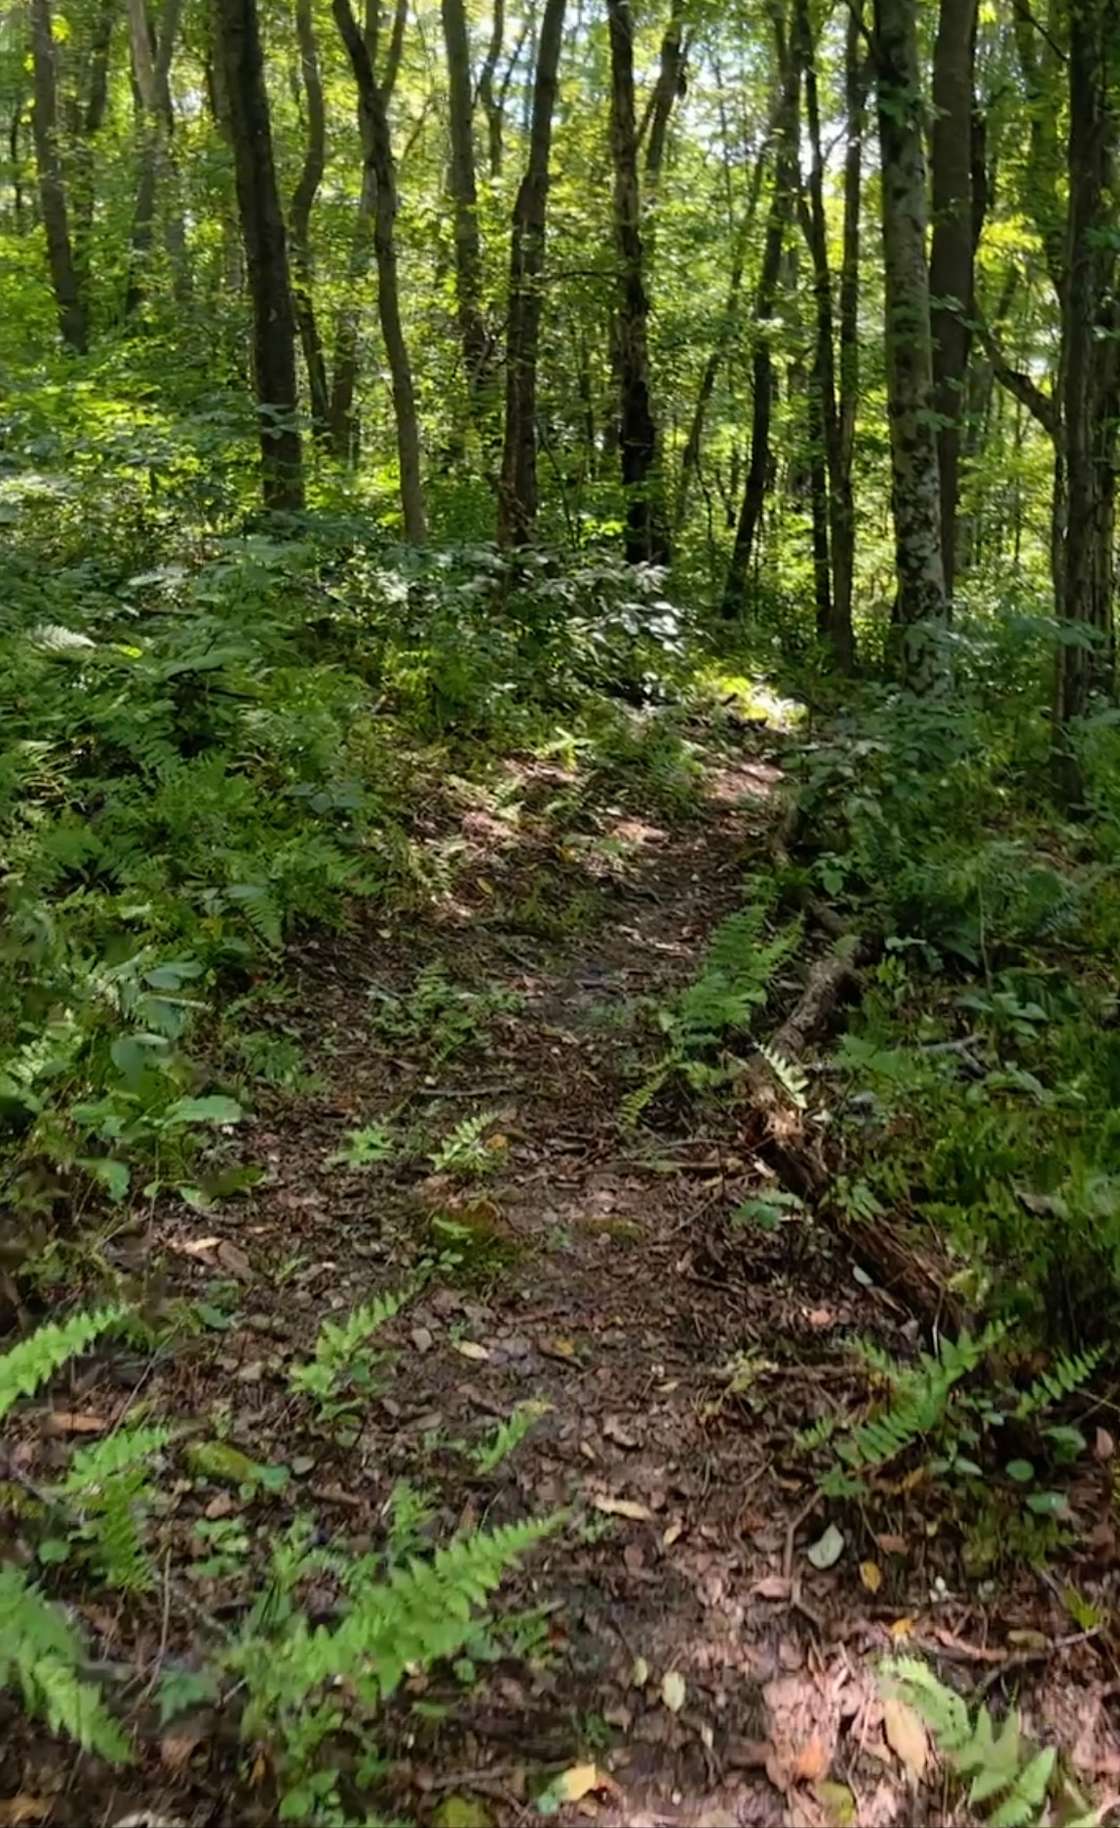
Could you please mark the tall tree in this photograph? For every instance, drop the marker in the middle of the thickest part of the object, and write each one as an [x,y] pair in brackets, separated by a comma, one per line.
[920,605]
[782,198]
[856,71]
[378,151]
[474,334]
[517,489]
[151,68]
[1089,372]
[266,253]
[951,252]
[53,202]
[647,533]
[299,216]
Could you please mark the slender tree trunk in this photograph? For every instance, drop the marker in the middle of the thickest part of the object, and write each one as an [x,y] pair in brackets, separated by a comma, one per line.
[53,202]
[782,199]
[303,201]
[266,254]
[344,428]
[669,85]
[491,107]
[82,187]
[830,520]
[647,535]
[379,161]
[844,519]
[151,69]
[951,252]
[517,491]
[921,605]
[474,335]
[1089,377]
[690,457]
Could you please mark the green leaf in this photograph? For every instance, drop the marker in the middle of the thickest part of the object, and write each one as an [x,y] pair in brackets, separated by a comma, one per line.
[1021,1471]
[214,1109]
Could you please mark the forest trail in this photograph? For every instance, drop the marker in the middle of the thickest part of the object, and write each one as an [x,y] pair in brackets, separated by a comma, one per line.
[698,1644]
[684,1646]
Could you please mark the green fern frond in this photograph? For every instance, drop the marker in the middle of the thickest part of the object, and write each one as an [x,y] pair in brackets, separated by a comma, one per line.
[1069,1373]
[42,1651]
[336,1345]
[119,1453]
[997,1761]
[919,1401]
[789,1075]
[34,1361]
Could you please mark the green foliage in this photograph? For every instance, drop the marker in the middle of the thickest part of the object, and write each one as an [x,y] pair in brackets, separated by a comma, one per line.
[26,1367]
[108,1487]
[42,1653]
[1002,1770]
[507,1436]
[919,1398]
[342,1369]
[466,1150]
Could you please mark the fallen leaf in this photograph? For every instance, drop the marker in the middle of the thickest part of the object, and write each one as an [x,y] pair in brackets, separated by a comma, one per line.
[462,1812]
[15,1810]
[827,1550]
[622,1507]
[906,1736]
[559,1348]
[811,1762]
[233,1258]
[669,1536]
[871,1574]
[575,1783]
[819,1318]
[673,1690]
[422,1339]
[616,1430]
[74,1421]
[901,1628]
[772,1587]
[892,1545]
[466,1348]
[175,1749]
[639,1675]
[196,1247]
[1103,1445]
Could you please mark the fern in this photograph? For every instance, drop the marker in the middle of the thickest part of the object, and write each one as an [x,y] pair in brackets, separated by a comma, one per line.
[109,1485]
[118,1454]
[34,1361]
[920,1398]
[42,1652]
[789,1075]
[338,1346]
[1000,1766]
[1068,1374]
[506,1436]
[463,1151]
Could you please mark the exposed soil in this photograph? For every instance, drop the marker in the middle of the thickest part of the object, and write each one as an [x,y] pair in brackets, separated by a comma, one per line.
[598,1274]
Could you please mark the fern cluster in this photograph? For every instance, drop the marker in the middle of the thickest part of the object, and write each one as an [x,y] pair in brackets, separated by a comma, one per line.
[42,1652]
[340,1349]
[26,1367]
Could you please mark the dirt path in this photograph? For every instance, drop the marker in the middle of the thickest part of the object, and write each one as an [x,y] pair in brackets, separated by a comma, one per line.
[673,1636]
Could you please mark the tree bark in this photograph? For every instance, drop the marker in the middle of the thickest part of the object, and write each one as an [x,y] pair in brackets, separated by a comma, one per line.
[921,606]
[669,85]
[782,199]
[474,335]
[92,120]
[379,163]
[1089,378]
[303,201]
[151,68]
[951,251]
[517,491]
[72,320]
[647,534]
[856,71]
[266,254]
[344,428]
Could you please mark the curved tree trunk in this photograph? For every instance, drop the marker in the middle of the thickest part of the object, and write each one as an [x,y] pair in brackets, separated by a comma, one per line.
[53,202]
[762,366]
[303,200]
[647,535]
[266,253]
[517,489]
[379,164]
[921,604]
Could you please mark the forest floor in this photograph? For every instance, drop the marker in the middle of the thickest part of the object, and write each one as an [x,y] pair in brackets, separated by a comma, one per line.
[672,1650]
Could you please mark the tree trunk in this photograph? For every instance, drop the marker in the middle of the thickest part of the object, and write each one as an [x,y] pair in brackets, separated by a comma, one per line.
[669,85]
[1089,377]
[344,428]
[491,105]
[844,519]
[766,297]
[266,254]
[72,320]
[690,457]
[151,71]
[379,162]
[92,120]
[951,251]
[517,491]
[830,520]
[474,336]
[303,200]
[647,535]
[920,608]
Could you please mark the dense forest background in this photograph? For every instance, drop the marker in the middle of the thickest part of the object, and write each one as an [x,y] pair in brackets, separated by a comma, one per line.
[559,911]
